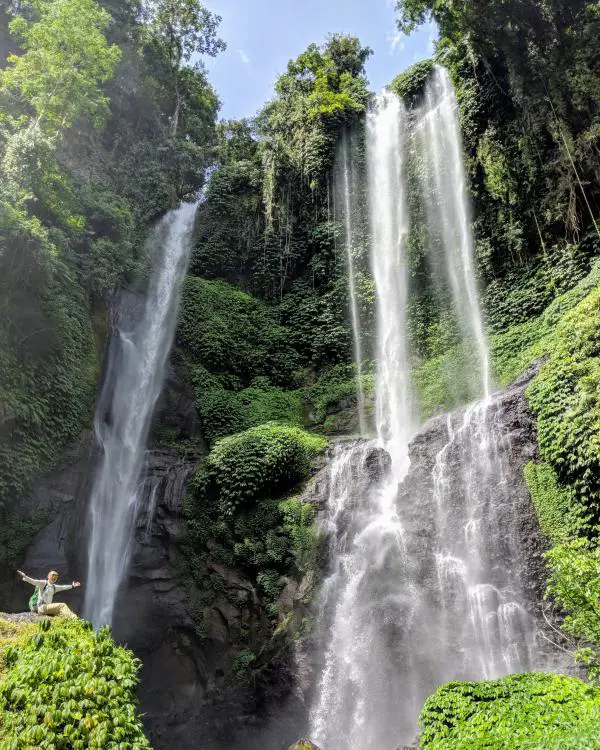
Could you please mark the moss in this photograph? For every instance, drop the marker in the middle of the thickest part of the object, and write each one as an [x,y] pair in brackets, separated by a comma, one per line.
[560,514]
[525,711]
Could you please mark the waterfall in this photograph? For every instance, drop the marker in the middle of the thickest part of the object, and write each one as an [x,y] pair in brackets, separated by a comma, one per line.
[365,595]
[428,573]
[346,186]
[449,212]
[484,629]
[386,132]
[138,358]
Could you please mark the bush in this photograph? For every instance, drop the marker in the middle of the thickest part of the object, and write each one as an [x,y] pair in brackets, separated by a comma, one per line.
[236,516]
[262,462]
[520,711]
[410,84]
[225,412]
[66,686]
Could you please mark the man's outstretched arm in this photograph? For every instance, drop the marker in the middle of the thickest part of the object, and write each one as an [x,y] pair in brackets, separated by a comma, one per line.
[67,587]
[32,581]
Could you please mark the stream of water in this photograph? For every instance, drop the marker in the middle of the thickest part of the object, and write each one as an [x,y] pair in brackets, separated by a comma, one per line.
[136,369]
[423,585]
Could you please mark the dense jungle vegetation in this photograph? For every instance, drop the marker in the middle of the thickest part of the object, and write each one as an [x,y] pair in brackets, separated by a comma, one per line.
[107,120]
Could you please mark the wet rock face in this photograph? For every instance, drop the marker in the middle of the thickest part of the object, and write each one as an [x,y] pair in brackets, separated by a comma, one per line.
[511,424]
[188,693]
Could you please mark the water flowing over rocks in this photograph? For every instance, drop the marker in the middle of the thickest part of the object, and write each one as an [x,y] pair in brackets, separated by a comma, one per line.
[450,588]
[187,693]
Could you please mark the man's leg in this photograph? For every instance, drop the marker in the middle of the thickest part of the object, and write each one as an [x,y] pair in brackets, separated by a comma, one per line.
[59,609]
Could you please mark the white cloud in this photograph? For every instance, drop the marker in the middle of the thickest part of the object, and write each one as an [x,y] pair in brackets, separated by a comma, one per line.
[396,41]
[244,58]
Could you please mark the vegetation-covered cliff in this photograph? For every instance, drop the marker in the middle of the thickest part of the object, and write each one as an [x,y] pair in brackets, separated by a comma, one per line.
[106,122]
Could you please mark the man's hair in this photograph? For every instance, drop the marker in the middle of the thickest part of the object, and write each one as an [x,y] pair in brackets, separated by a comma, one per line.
[53,573]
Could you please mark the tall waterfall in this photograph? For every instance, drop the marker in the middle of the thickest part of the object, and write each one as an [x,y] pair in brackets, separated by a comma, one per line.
[449,210]
[347,188]
[136,372]
[360,687]
[426,579]
[386,133]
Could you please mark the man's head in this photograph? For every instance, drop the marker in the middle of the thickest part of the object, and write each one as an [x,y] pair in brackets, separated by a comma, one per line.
[52,576]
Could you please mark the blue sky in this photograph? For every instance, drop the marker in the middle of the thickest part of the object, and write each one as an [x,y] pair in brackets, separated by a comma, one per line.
[262,35]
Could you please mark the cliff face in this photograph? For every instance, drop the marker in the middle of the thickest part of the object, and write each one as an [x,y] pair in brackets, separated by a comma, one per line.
[190,693]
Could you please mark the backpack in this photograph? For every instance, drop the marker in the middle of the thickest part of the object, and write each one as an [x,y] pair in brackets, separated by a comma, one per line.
[35,597]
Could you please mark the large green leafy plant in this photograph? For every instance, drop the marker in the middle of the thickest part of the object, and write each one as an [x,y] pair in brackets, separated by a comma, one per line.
[67,687]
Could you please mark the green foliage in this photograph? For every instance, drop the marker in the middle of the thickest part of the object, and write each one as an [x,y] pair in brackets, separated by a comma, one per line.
[336,385]
[410,84]
[236,517]
[262,462]
[67,687]
[566,401]
[227,331]
[561,517]
[574,585]
[242,663]
[531,711]
[65,60]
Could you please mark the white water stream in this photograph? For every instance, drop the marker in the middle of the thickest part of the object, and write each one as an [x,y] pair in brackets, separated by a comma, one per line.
[347,188]
[425,579]
[137,367]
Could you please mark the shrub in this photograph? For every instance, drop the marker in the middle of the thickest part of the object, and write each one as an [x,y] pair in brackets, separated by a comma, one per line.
[261,462]
[524,711]
[66,686]
[236,516]
[410,84]
[225,412]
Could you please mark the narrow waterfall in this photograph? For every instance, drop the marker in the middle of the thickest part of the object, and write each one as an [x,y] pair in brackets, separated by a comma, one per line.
[449,212]
[136,371]
[386,133]
[365,595]
[346,188]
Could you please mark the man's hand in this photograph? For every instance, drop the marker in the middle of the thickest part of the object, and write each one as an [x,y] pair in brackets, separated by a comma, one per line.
[20,573]
[76,584]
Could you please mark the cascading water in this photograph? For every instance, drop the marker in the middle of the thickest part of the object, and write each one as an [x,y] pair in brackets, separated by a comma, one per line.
[136,372]
[449,212]
[426,580]
[365,596]
[485,630]
[386,133]
[346,187]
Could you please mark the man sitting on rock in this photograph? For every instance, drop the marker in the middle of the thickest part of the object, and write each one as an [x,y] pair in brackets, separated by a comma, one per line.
[45,590]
